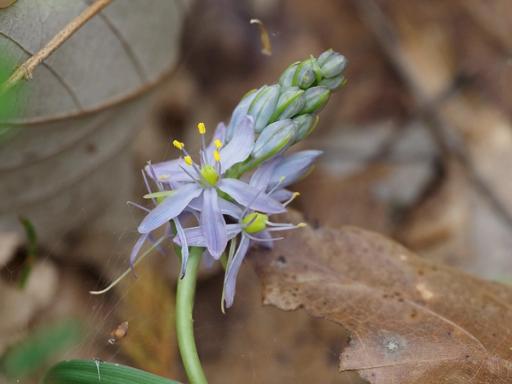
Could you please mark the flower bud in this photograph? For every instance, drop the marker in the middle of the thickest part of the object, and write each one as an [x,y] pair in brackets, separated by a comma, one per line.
[289,104]
[274,138]
[286,79]
[304,75]
[324,56]
[332,83]
[305,124]
[240,111]
[315,99]
[333,65]
[263,106]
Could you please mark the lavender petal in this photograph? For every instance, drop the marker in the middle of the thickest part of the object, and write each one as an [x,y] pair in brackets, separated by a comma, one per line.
[195,237]
[168,171]
[281,195]
[171,207]
[250,197]
[263,174]
[240,146]
[136,248]
[213,224]
[232,271]
[184,246]
[293,167]
[226,207]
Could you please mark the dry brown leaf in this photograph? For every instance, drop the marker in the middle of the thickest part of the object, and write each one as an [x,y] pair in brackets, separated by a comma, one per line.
[411,320]
[148,307]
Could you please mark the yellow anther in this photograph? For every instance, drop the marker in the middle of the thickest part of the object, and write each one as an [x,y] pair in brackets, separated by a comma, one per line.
[296,194]
[218,143]
[178,144]
[163,177]
[216,156]
[201,128]
[301,225]
[188,160]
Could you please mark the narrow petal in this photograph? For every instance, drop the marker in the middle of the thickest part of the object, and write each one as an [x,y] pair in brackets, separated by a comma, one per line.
[240,146]
[213,224]
[136,248]
[184,246]
[170,207]
[281,195]
[226,207]
[208,260]
[261,177]
[232,271]
[293,167]
[169,171]
[250,197]
[195,237]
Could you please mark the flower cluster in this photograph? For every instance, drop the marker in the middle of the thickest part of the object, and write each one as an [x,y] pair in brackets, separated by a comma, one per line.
[241,176]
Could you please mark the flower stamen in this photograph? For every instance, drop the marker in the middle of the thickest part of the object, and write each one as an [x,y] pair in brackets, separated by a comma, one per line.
[188,160]
[294,195]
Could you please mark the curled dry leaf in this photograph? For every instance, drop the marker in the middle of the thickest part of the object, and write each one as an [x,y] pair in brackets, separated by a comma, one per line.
[410,320]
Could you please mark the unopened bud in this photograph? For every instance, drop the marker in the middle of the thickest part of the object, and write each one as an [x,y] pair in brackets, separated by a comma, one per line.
[274,138]
[263,106]
[332,83]
[305,124]
[240,112]
[286,79]
[289,104]
[332,65]
[315,99]
[304,75]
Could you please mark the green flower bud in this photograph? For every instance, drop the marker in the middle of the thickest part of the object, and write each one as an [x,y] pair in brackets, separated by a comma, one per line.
[286,79]
[274,138]
[332,83]
[333,65]
[289,104]
[304,75]
[322,59]
[305,125]
[263,106]
[240,111]
[316,98]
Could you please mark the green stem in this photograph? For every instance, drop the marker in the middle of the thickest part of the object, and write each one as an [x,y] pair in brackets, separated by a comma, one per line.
[184,322]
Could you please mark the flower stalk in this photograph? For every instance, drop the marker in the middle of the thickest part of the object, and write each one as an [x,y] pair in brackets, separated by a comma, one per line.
[185,293]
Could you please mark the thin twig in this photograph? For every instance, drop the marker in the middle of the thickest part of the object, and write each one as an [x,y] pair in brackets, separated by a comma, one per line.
[441,131]
[26,69]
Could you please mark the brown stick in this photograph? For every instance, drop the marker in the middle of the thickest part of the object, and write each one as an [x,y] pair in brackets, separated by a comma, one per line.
[26,69]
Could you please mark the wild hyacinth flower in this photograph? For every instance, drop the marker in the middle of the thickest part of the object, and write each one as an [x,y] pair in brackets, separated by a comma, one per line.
[190,180]
[278,173]
[252,226]
[156,198]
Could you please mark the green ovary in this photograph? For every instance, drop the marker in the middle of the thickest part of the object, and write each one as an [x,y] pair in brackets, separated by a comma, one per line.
[255,222]
[210,175]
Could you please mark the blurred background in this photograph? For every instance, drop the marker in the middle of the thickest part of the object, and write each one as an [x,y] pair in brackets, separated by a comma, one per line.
[418,146]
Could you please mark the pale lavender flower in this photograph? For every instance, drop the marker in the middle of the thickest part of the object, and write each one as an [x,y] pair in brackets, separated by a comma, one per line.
[201,182]
[278,173]
[155,196]
[252,227]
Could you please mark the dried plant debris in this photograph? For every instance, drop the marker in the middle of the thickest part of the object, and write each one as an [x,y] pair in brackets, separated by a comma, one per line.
[147,306]
[410,320]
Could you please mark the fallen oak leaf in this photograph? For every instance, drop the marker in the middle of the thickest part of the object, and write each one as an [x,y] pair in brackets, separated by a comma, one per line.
[411,320]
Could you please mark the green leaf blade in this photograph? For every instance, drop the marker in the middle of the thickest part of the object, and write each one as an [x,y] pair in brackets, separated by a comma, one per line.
[96,371]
